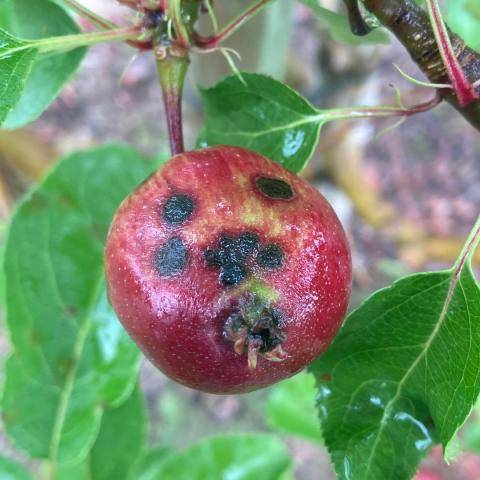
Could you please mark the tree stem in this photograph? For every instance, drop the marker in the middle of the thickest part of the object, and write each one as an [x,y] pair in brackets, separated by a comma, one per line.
[171,72]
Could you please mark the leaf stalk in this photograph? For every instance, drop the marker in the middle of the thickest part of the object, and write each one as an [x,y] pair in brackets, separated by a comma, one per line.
[65,43]
[214,41]
[89,15]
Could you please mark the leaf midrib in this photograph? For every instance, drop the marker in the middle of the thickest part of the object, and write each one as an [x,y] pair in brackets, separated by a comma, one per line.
[279,128]
[69,383]
[83,332]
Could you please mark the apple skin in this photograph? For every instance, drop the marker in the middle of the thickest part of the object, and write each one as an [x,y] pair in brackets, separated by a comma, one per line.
[175,303]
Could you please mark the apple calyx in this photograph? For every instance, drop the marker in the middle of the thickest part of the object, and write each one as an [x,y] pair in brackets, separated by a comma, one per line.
[255,328]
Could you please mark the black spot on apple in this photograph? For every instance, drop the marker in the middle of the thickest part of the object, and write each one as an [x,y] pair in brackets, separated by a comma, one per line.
[247,243]
[170,260]
[270,257]
[231,255]
[275,188]
[232,274]
[178,209]
[212,258]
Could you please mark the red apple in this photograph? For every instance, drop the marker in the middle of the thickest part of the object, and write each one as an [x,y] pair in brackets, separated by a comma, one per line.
[228,271]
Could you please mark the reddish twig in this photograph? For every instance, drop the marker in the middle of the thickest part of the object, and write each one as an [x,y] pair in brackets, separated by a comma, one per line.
[382,111]
[463,88]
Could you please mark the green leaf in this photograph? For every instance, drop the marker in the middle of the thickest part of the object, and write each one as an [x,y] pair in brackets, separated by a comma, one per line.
[152,462]
[15,68]
[463,17]
[473,7]
[264,115]
[119,446]
[71,356]
[291,409]
[3,234]
[121,441]
[339,28]
[403,373]
[77,471]
[34,19]
[10,470]
[239,457]
[259,113]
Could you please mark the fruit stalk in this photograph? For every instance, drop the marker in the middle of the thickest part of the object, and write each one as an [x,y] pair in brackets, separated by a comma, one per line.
[172,71]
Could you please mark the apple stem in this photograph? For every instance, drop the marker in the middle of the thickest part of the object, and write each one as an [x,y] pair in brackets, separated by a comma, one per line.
[172,70]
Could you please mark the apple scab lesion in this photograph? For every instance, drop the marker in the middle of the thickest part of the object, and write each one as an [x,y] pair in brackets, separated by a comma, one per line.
[270,257]
[171,258]
[275,188]
[231,256]
[178,209]
[235,256]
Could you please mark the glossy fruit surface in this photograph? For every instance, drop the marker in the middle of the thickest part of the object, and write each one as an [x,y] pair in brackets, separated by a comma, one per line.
[228,271]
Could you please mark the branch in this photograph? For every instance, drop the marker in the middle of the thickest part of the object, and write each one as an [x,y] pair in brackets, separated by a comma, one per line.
[411,25]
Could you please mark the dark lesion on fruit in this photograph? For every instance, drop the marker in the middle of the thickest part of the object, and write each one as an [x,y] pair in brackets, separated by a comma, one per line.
[177,209]
[232,274]
[255,328]
[275,188]
[270,257]
[171,258]
[231,256]
[233,253]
